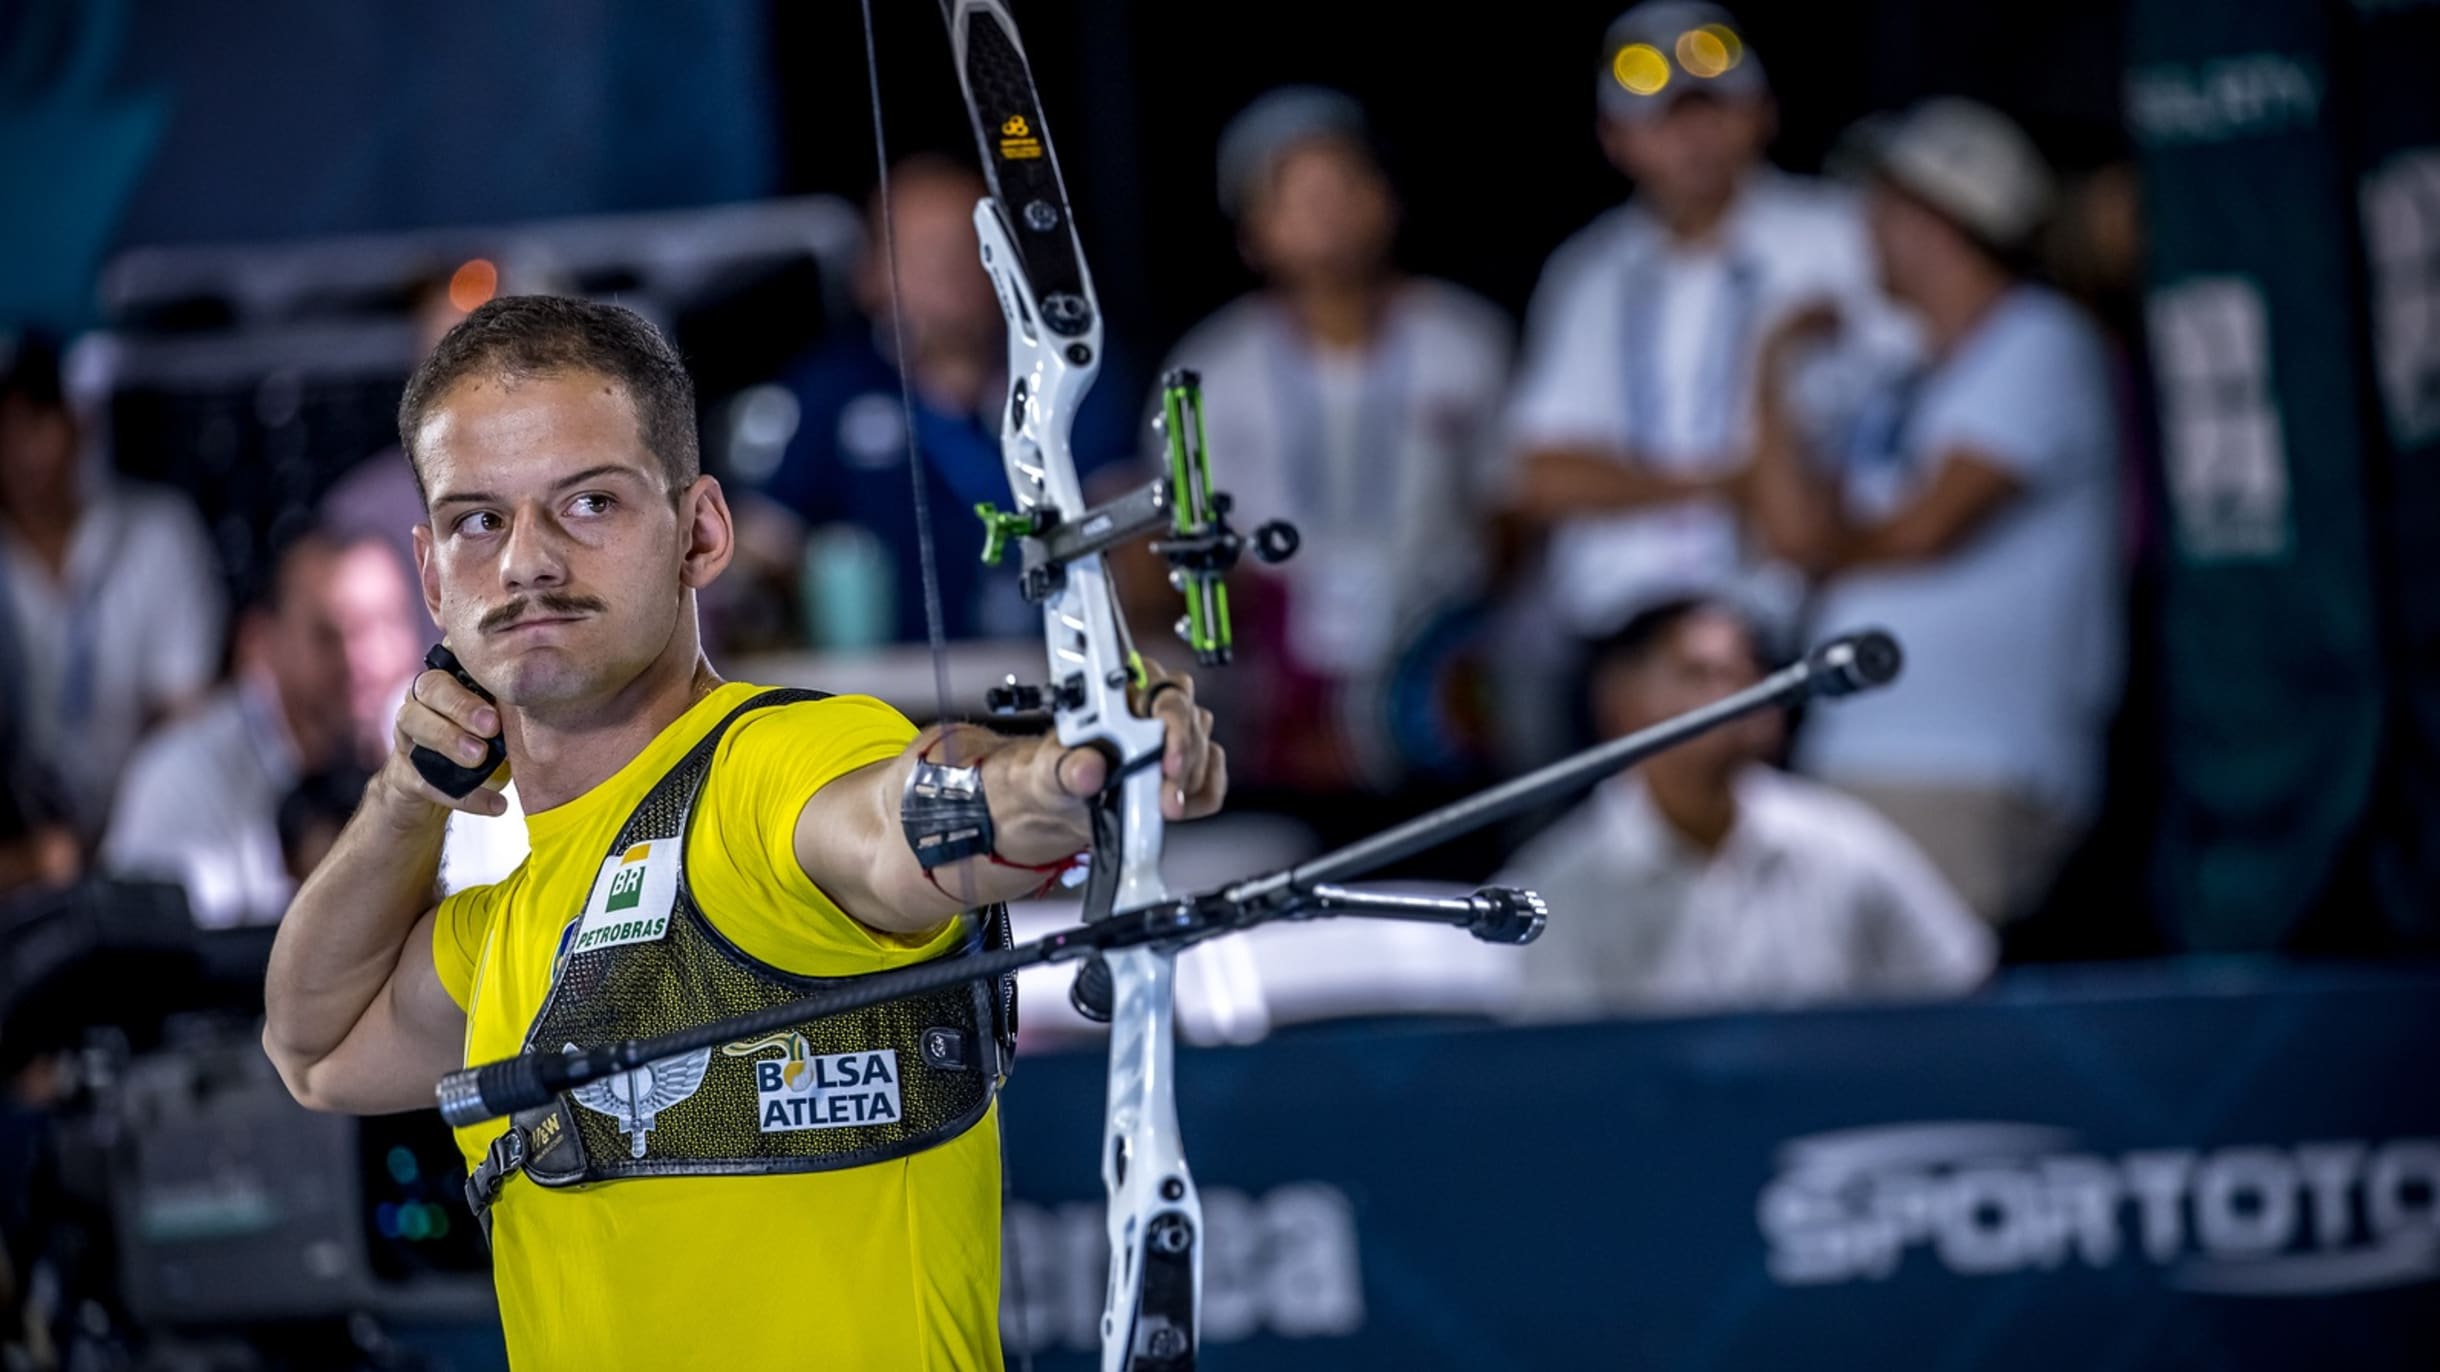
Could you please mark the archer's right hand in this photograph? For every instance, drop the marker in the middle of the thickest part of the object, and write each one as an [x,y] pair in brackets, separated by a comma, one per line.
[441,714]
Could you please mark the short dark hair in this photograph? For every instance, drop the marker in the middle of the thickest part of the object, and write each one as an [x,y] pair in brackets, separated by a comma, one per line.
[1646,632]
[1635,641]
[518,336]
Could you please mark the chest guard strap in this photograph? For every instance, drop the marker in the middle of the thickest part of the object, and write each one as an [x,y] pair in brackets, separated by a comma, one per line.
[642,959]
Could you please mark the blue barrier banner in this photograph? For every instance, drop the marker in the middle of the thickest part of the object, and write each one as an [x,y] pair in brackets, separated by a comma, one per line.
[2221,1166]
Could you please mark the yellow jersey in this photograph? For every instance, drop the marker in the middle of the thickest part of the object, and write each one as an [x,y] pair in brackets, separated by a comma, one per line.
[891,1266]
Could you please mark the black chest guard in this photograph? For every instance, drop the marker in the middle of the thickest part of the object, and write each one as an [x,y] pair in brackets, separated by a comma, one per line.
[642,959]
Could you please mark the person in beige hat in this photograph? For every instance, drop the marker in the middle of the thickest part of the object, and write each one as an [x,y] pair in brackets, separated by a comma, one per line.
[1969,508]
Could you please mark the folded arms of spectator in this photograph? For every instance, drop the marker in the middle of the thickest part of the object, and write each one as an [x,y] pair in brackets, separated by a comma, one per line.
[1557,482]
[1799,508]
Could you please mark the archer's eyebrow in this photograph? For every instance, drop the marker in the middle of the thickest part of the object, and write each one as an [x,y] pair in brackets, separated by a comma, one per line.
[572,479]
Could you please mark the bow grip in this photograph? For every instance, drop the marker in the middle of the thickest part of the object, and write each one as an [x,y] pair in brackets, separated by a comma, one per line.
[448,777]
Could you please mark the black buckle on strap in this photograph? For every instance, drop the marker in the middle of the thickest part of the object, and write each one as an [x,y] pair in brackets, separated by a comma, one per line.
[945,1049]
[505,1156]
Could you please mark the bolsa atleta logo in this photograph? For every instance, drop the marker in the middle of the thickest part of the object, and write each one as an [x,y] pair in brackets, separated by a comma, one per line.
[1984,1198]
[632,898]
[802,1090]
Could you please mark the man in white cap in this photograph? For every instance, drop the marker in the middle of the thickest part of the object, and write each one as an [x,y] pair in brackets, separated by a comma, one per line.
[1632,422]
[1361,404]
[1971,509]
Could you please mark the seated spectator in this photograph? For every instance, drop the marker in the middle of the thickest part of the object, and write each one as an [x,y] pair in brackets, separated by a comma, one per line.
[840,494]
[201,800]
[1632,422]
[1358,403]
[379,615]
[111,589]
[1971,510]
[1706,879]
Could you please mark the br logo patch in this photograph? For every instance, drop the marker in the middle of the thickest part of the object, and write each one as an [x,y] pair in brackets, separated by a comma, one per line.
[631,898]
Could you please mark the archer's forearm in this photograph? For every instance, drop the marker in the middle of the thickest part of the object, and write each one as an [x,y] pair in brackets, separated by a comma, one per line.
[852,841]
[343,934]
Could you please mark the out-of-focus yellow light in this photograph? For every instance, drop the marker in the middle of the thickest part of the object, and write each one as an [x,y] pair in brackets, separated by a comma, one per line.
[1701,52]
[472,284]
[1640,68]
[1732,47]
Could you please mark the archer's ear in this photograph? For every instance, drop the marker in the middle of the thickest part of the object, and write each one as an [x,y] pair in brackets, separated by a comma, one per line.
[427,575]
[709,536]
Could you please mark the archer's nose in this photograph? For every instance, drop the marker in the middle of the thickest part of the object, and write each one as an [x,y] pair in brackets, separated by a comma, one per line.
[531,558]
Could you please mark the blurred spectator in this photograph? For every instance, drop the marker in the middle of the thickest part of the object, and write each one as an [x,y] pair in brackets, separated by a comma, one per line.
[201,800]
[312,814]
[1970,509]
[836,513]
[1632,420]
[381,623]
[1705,879]
[111,590]
[1356,402]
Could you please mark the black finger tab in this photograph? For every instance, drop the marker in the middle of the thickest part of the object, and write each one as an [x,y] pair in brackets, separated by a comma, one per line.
[447,776]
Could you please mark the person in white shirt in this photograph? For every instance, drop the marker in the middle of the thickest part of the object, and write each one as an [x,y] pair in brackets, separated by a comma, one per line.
[112,590]
[201,798]
[1704,879]
[1971,510]
[1360,404]
[1631,426]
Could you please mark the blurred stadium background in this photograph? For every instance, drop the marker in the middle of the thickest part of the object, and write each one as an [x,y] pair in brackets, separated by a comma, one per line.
[2184,1121]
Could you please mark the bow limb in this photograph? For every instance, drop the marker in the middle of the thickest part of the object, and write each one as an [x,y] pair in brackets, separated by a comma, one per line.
[1036,263]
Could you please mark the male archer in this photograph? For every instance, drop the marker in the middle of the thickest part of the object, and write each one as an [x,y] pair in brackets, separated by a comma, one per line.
[823,1198]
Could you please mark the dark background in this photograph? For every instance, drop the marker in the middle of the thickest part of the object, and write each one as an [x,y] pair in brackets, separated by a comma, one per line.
[1488,113]
[131,122]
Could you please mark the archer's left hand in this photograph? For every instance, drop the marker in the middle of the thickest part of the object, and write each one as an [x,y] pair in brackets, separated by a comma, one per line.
[1194,770]
[1039,789]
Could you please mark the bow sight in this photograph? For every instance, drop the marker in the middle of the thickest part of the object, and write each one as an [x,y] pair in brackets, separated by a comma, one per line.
[1201,547]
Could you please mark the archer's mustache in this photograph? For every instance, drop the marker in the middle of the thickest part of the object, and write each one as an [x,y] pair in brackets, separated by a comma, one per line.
[549,604]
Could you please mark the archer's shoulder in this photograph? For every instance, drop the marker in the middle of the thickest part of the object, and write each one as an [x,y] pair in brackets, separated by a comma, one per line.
[829,719]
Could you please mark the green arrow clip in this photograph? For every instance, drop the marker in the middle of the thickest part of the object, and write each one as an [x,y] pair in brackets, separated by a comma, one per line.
[1000,526]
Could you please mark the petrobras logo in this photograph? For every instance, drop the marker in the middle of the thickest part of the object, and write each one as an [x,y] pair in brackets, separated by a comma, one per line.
[802,1090]
[1281,1263]
[1988,1198]
[632,899]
